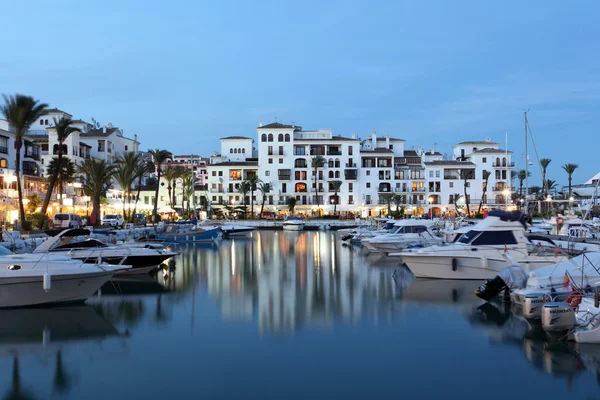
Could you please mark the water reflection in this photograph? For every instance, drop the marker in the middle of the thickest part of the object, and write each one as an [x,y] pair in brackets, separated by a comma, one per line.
[285,280]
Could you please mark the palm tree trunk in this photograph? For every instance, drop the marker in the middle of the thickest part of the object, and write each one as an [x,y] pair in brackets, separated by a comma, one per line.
[482,197]
[53,179]
[570,177]
[252,203]
[335,202]
[137,197]
[262,206]
[467,202]
[173,203]
[18,143]
[96,209]
[169,188]
[156,197]
[316,190]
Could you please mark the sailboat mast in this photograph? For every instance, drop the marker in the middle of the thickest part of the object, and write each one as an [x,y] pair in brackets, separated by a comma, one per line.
[526,165]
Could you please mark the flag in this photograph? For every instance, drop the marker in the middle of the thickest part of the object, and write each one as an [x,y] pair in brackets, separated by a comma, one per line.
[566,280]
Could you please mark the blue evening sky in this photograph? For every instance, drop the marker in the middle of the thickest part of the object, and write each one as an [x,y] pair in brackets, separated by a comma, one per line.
[181,74]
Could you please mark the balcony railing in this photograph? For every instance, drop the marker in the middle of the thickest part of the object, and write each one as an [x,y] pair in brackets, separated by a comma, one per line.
[350,165]
[503,165]
[451,177]
[334,153]
[3,149]
[30,171]
[284,177]
[351,175]
[35,155]
[276,153]
[401,190]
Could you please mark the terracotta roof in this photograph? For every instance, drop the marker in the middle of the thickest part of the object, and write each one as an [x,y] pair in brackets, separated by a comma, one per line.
[436,153]
[333,139]
[235,137]
[450,162]
[378,150]
[490,150]
[475,142]
[100,132]
[391,138]
[235,164]
[277,125]
[55,110]
[410,153]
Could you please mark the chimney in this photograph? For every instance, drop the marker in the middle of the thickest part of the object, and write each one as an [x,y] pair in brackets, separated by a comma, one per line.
[260,123]
[419,150]
[387,141]
[109,125]
[104,129]
[135,137]
[293,124]
[432,150]
[374,140]
[353,135]
[487,139]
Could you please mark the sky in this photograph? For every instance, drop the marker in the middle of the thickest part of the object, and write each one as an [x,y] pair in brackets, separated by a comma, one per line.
[181,74]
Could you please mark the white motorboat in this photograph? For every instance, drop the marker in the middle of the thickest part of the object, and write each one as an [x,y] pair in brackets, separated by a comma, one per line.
[229,231]
[406,232]
[38,279]
[77,244]
[491,245]
[378,227]
[293,224]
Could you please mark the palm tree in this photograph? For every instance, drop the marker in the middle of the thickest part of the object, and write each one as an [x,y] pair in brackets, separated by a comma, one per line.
[316,163]
[544,163]
[264,189]
[98,178]
[178,174]
[336,185]
[188,184]
[170,174]
[21,112]
[244,190]
[124,175]
[143,167]
[159,157]
[569,169]
[64,170]
[522,175]
[550,185]
[387,198]
[536,190]
[291,203]
[398,199]
[465,175]
[486,177]
[455,198]
[63,130]
[253,182]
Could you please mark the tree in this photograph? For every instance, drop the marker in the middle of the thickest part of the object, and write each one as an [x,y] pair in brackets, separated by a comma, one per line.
[64,170]
[159,157]
[336,185]
[188,184]
[387,198]
[98,178]
[465,175]
[544,162]
[179,172]
[63,130]
[536,190]
[170,174]
[33,202]
[398,199]
[522,175]
[127,167]
[21,112]
[455,198]
[291,203]
[316,163]
[244,190]
[569,169]
[253,181]
[144,167]
[550,185]
[486,177]
[264,189]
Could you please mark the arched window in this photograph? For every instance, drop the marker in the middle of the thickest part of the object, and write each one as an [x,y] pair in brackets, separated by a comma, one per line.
[337,162]
[280,137]
[497,161]
[240,151]
[300,187]
[230,150]
[270,137]
[330,163]
[46,122]
[337,174]
[504,161]
[300,163]
[243,151]
[287,137]
[3,163]
[41,122]
[263,137]
[330,174]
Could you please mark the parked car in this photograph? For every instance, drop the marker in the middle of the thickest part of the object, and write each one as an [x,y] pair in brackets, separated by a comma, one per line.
[66,220]
[113,220]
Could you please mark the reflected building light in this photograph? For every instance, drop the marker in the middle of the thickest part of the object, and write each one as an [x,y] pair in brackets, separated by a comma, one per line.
[332,255]
[259,250]
[233,257]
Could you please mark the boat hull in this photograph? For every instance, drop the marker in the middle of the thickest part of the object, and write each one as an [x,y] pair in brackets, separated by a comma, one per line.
[69,288]
[293,227]
[190,237]
[462,267]
[136,262]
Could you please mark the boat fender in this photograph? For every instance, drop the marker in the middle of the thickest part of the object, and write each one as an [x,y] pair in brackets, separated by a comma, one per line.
[47,282]
[484,263]
[454,264]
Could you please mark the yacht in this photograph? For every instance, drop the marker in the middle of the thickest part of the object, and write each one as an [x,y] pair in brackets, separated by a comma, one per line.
[406,232]
[491,245]
[293,224]
[77,244]
[378,226]
[39,279]
[230,231]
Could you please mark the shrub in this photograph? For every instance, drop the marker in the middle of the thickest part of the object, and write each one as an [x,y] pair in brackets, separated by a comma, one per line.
[37,220]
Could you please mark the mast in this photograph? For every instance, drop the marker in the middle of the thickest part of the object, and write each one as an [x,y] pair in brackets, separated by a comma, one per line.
[526,165]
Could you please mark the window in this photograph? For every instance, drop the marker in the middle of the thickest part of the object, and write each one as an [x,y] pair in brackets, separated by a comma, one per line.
[267,173]
[263,137]
[214,173]
[220,173]
[125,147]
[214,198]
[46,122]
[330,174]
[281,161]
[368,173]
[299,150]
[350,186]
[300,163]
[243,151]
[484,160]
[330,163]
[270,137]
[230,150]
[349,150]
[451,185]
[270,150]
[437,174]
[287,137]
[431,174]
[270,161]
[368,185]
[4,144]
[391,147]
[337,163]
[488,238]
[41,122]
[284,188]
[146,200]
[300,175]
[3,163]
[337,174]
[280,150]
[280,137]
[301,187]
[101,145]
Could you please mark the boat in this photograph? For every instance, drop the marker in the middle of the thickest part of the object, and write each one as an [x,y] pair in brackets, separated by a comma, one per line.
[236,230]
[79,245]
[377,227]
[189,234]
[41,279]
[293,224]
[491,245]
[406,233]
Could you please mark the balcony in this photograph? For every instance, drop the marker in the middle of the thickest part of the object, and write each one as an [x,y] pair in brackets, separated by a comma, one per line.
[334,153]
[351,174]
[276,153]
[30,171]
[503,165]
[213,190]
[418,190]
[284,177]
[350,165]
[401,190]
[32,154]
[451,177]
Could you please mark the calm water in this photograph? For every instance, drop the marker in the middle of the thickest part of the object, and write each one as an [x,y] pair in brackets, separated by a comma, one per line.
[286,315]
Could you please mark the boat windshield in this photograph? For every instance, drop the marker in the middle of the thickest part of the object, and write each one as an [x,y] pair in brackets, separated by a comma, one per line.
[4,251]
[488,238]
